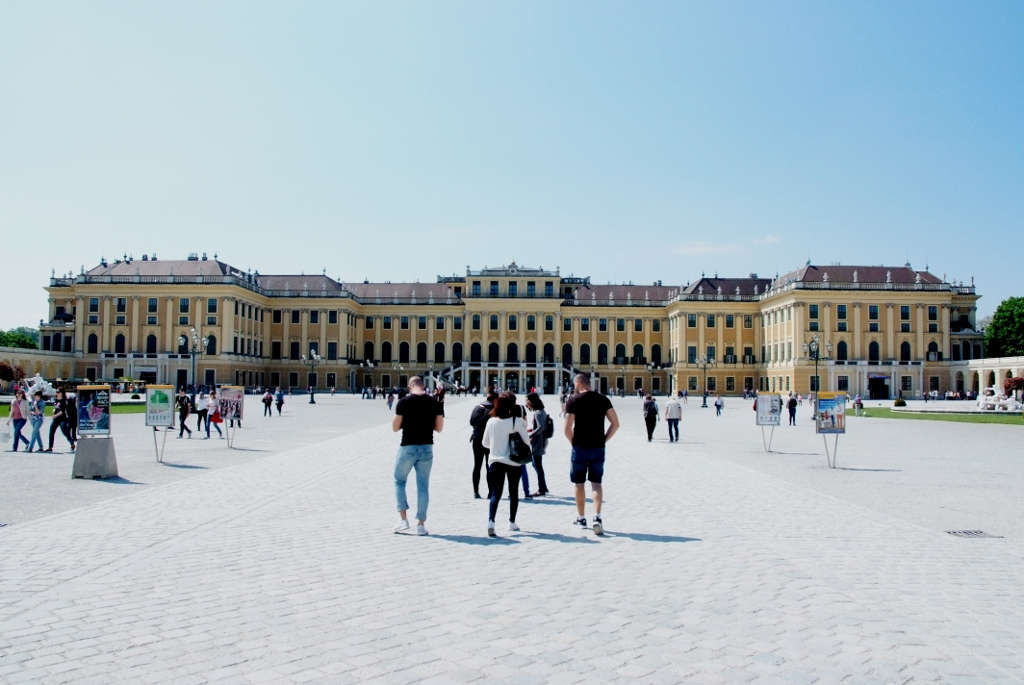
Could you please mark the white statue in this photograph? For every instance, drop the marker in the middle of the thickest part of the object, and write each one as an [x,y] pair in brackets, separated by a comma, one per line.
[38,384]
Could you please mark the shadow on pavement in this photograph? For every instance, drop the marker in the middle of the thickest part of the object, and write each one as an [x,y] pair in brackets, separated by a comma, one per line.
[650,537]
[472,540]
[248,449]
[183,466]
[797,454]
[118,480]
[847,468]
[556,537]
[563,501]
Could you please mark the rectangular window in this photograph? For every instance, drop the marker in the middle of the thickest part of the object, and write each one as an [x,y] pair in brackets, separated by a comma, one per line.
[602,324]
[119,320]
[549,288]
[549,323]
[620,324]
[904,326]
[843,383]
[295,316]
[211,305]
[494,288]
[476,322]
[906,383]
[513,322]
[691,320]
[787,382]
[183,305]
[183,320]
[904,312]
[841,326]
[873,327]
[293,349]
[841,312]
[421,323]
[332,318]
[276,318]
[531,323]
[439,323]
[457,323]
[691,383]
[730,383]
[513,289]
[211,320]
[332,350]
[712,384]
[369,322]
[933,328]
[566,323]
[150,321]
[656,325]
[314,316]
[531,288]
[94,305]
[638,325]
[812,311]
[494,322]
[584,324]
[873,312]
[812,326]
[748,321]
[814,383]
[691,354]
[710,352]
[404,323]
[151,305]
[709,321]
[121,305]
[933,313]
[730,322]
[476,288]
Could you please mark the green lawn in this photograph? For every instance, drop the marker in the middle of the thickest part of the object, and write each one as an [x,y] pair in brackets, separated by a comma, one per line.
[990,417]
[5,409]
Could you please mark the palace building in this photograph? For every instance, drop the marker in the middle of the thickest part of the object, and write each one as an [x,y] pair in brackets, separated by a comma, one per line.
[878,330]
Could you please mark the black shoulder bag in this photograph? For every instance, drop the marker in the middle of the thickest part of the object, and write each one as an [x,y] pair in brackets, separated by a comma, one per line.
[518,449]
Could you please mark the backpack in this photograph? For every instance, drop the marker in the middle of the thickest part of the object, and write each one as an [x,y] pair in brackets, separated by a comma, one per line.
[478,420]
[549,428]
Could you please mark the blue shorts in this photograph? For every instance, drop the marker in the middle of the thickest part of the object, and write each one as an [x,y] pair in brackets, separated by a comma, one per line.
[587,463]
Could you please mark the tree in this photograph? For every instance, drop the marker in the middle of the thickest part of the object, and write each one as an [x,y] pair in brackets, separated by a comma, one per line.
[19,337]
[6,372]
[1004,337]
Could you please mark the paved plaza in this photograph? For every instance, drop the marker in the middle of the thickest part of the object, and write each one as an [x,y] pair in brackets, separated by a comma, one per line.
[275,562]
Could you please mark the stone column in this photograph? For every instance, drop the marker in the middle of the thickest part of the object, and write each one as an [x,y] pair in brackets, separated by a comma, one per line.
[135,324]
[304,322]
[919,346]
[449,324]
[170,324]
[322,345]
[80,318]
[106,324]
[286,343]
[858,332]
[944,327]
[890,333]
[720,338]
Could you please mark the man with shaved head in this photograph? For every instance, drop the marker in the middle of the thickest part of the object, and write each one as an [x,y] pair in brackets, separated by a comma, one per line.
[585,415]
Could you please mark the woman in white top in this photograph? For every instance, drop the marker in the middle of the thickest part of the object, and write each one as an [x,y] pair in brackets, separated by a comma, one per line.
[500,426]
[211,409]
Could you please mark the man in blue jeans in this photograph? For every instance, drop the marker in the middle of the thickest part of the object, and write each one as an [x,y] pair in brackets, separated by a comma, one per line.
[585,414]
[418,416]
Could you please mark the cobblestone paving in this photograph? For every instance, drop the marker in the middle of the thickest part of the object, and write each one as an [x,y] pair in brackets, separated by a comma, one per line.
[721,564]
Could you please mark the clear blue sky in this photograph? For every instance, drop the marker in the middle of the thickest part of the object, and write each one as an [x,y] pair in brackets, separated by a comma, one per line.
[625,141]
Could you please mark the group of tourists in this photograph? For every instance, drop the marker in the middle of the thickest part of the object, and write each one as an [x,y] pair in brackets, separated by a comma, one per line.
[32,412]
[505,438]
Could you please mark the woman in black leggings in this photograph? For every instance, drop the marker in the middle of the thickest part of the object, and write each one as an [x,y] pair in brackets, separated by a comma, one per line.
[496,435]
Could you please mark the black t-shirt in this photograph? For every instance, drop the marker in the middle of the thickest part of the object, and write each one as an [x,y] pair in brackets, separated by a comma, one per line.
[418,413]
[588,410]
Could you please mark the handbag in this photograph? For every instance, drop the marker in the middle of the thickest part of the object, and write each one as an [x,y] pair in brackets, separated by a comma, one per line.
[518,449]
[216,418]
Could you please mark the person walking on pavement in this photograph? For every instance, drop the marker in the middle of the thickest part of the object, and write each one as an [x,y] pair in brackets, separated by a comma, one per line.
[213,414]
[184,409]
[673,413]
[268,401]
[538,423]
[418,416]
[20,411]
[478,420]
[279,400]
[718,404]
[72,398]
[202,415]
[37,408]
[585,415]
[650,411]
[791,406]
[500,427]
[60,420]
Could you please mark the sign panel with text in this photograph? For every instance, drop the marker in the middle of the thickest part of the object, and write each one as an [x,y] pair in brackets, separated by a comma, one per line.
[769,410]
[93,409]
[160,406]
[830,413]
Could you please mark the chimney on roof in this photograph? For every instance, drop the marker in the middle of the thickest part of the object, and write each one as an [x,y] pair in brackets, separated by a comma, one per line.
[145,257]
[753,275]
[204,256]
[193,257]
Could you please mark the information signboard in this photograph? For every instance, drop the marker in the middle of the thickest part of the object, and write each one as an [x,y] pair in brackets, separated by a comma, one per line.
[769,410]
[160,406]
[830,413]
[94,410]
[231,402]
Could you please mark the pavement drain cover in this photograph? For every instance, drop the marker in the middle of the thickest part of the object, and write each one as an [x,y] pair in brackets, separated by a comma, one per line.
[972,534]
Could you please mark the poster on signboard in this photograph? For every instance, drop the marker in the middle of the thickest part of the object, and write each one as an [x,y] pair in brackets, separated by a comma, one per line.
[160,406]
[769,410]
[93,409]
[230,402]
[830,413]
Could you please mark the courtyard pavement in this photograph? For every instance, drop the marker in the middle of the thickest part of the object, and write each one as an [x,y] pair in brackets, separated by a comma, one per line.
[722,563]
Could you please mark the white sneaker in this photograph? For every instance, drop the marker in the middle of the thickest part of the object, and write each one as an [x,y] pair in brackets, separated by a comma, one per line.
[421,529]
[402,526]
[598,526]
[512,525]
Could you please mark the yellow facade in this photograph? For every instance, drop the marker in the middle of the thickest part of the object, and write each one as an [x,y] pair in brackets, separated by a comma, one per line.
[515,327]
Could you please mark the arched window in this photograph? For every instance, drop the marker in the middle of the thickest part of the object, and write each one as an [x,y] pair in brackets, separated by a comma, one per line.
[385,351]
[602,354]
[933,351]
[119,343]
[368,351]
[620,354]
[567,354]
[439,353]
[638,354]
[403,352]
[93,343]
[150,344]
[183,344]
[842,352]
[512,353]
[904,351]
[493,352]
[456,353]
[549,353]
[873,351]
[211,344]
[584,353]
[421,353]
[655,354]
[475,353]
[531,353]
[966,351]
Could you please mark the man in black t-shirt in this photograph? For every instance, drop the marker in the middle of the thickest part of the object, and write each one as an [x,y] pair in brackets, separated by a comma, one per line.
[478,420]
[418,416]
[585,414]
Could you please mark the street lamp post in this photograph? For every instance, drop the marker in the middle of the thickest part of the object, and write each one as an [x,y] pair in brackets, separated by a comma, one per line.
[194,345]
[313,360]
[704,362]
[814,352]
